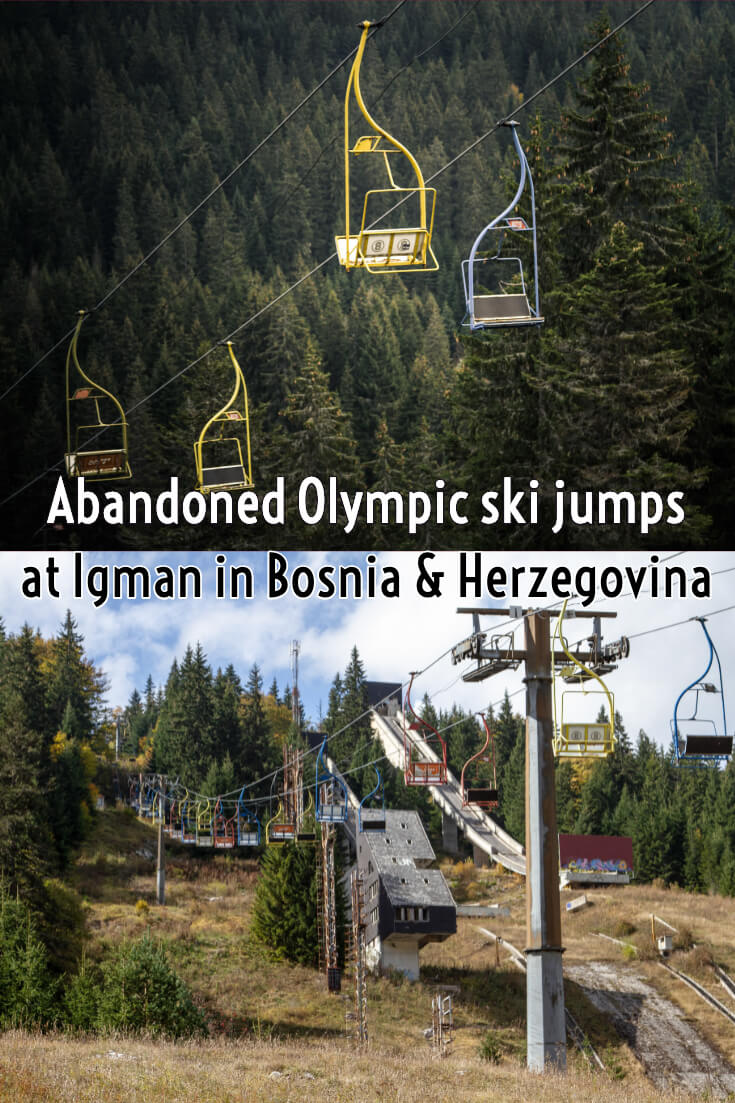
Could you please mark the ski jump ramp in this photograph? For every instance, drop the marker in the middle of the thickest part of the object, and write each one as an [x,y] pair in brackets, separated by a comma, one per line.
[476,825]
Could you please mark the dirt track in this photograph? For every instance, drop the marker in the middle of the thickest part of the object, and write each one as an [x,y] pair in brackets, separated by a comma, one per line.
[667,1045]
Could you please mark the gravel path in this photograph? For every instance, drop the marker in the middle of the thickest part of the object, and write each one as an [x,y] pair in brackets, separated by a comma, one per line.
[667,1045]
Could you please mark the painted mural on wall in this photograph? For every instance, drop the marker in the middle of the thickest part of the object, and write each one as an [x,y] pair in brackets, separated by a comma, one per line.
[596,854]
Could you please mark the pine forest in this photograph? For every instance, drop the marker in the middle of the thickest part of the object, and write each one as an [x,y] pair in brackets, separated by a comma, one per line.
[126,126]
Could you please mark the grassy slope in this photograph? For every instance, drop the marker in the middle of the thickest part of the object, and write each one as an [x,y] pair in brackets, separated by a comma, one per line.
[272,1018]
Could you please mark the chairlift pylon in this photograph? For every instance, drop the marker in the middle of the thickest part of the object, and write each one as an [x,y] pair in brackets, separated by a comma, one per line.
[697,740]
[497,293]
[380,246]
[219,459]
[96,447]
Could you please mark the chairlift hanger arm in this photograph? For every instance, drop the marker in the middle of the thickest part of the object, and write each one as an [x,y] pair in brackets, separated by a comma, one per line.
[712,657]
[354,84]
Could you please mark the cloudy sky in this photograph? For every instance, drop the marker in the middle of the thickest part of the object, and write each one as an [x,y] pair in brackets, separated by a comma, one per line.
[130,638]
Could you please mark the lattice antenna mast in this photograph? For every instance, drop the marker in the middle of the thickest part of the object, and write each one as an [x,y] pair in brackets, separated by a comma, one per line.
[295,709]
[359,958]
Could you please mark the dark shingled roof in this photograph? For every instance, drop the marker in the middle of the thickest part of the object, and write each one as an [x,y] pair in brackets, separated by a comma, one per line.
[378,691]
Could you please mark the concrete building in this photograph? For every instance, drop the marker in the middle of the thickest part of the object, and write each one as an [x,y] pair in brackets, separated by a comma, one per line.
[407,904]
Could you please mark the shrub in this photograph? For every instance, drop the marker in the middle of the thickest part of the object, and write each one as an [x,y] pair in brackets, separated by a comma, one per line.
[490,1048]
[142,993]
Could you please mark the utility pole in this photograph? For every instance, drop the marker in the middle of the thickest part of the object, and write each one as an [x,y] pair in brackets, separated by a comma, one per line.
[545,1015]
[359,958]
[328,899]
[161,866]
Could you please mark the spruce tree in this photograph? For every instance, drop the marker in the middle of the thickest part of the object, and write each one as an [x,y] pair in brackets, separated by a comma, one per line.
[284,910]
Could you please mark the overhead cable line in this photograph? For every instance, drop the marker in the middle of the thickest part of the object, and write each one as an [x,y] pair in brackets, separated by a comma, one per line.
[188,217]
[312,750]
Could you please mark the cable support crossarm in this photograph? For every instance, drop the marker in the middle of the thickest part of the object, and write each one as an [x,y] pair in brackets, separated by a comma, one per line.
[273,302]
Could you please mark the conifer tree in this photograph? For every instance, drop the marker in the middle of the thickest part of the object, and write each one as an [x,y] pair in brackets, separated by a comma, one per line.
[284,910]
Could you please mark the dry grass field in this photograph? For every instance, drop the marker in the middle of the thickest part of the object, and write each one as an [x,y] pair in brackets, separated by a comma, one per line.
[276,1034]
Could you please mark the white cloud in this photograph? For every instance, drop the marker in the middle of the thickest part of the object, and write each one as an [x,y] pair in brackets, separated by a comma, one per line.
[131,638]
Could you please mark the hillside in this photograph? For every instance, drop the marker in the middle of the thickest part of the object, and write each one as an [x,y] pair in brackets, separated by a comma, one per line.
[276,1034]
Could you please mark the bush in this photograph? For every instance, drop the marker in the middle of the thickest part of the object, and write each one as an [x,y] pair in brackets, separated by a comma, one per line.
[142,993]
[490,1048]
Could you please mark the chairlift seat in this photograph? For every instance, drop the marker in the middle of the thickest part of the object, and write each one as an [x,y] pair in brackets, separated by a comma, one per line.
[381,248]
[226,477]
[306,836]
[426,773]
[503,310]
[282,833]
[204,840]
[485,798]
[372,820]
[113,462]
[707,745]
[248,838]
[584,741]
[334,812]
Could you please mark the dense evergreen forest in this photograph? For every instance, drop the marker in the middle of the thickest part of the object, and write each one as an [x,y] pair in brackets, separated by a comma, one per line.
[118,119]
